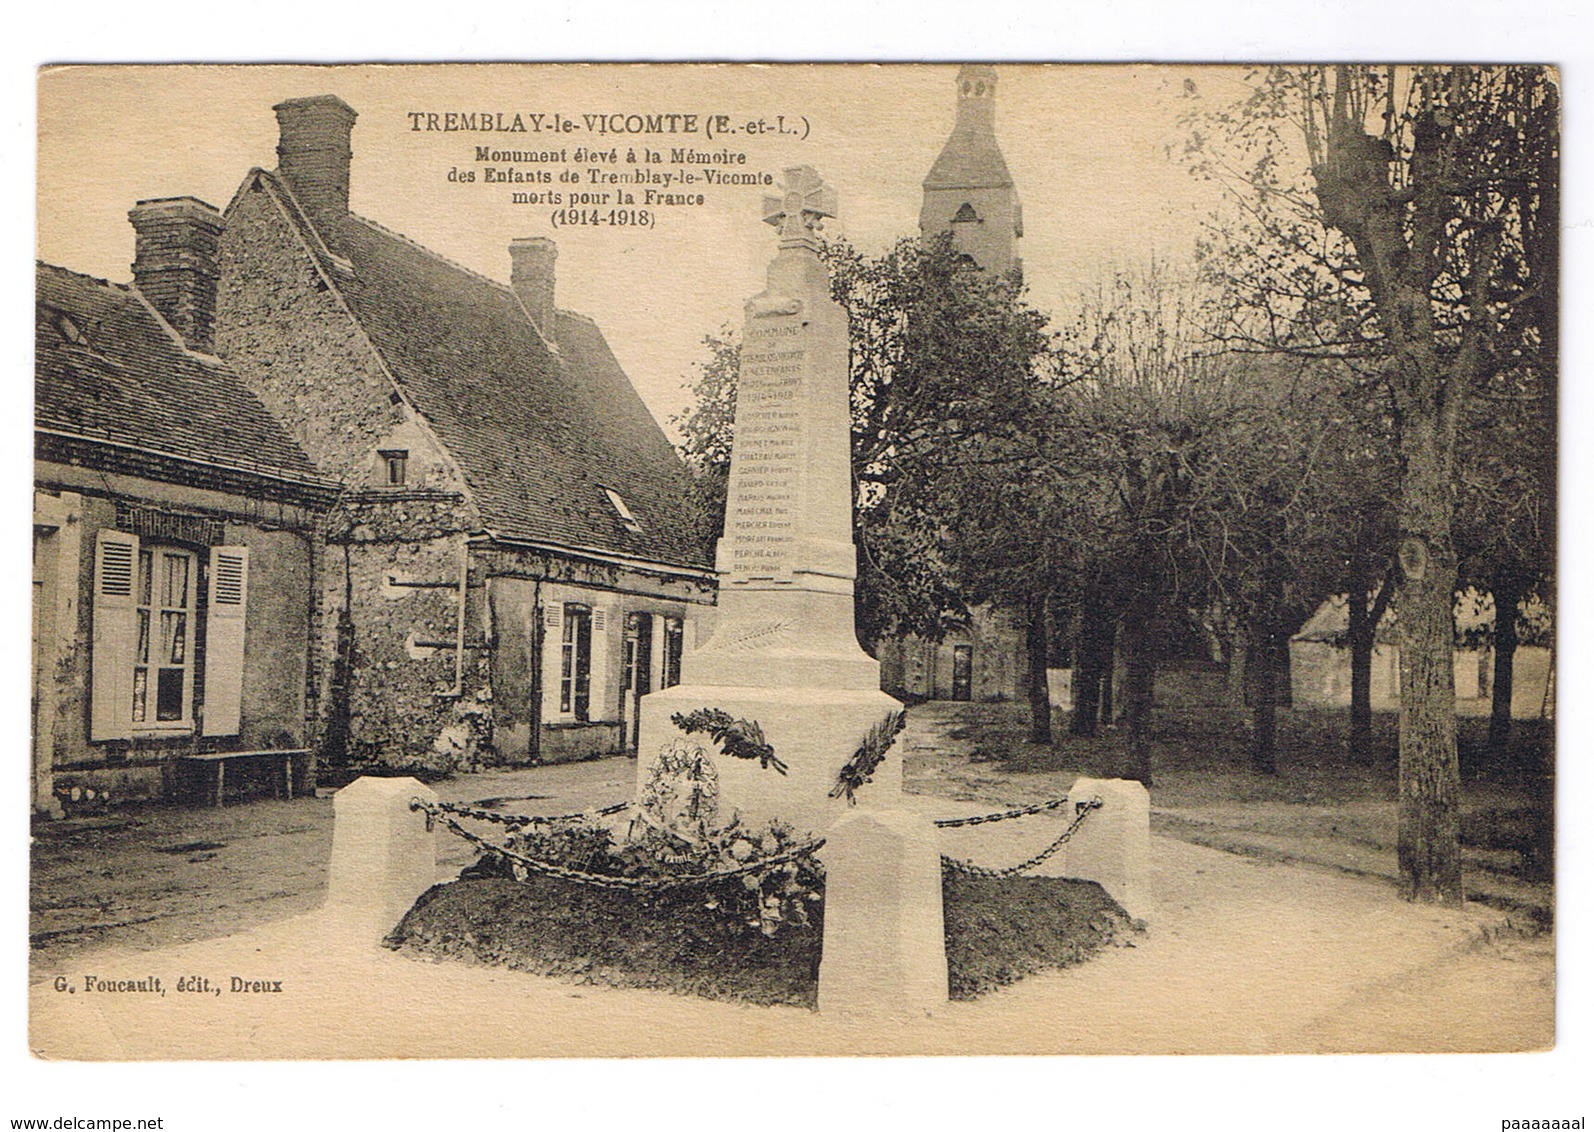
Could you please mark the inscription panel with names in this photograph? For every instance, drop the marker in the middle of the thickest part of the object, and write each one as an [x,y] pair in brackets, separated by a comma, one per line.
[764,494]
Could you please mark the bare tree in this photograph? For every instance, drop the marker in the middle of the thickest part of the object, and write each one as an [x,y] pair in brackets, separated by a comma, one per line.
[1420,247]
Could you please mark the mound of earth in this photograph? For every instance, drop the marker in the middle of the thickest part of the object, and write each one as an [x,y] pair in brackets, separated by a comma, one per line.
[997,931]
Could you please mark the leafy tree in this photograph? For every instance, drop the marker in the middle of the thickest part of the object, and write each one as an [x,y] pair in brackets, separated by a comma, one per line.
[706,433]
[1289,283]
[1131,435]
[1505,524]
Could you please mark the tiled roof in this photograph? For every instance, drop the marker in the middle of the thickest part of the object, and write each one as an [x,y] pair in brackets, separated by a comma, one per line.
[537,434]
[107,368]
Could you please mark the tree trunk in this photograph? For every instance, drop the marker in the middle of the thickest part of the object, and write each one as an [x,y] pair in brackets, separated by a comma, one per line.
[1139,680]
[1234,683]
[1138,646]
[1507,591]
[1114,696]
[1361,699]
[1401,240]
[1264,701]
[1363,639]
[1429,838]
[1092,658]
[1040,701]
[1086,690]
[1106,711]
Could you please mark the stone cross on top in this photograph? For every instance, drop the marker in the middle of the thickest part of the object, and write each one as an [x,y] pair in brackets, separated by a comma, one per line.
[806,199]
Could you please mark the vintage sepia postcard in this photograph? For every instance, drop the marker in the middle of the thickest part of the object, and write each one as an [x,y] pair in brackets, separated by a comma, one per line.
[635,560]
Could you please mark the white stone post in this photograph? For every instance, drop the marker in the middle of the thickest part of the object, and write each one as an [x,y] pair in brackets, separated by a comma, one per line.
[1113,845]
[383,856]
[885,941]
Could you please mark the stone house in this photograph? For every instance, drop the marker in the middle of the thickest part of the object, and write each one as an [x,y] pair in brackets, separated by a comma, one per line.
[985,659]
[174,534]
[506,571]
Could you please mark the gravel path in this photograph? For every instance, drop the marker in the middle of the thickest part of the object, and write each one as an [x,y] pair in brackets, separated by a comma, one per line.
[147,877]
[1242,954]
[1240,957]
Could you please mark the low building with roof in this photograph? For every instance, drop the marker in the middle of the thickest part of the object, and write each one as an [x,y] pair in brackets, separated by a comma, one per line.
[175,535]
[508,568]
[1320,658]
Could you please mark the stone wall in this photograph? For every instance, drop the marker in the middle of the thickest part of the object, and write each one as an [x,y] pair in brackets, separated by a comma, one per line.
[396,566]
[1320,677]
[285,333]
[394,570]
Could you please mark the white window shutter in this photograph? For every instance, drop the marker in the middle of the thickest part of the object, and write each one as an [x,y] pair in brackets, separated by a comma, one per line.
[599,706]
[552,630]
[224,639]
[115,635]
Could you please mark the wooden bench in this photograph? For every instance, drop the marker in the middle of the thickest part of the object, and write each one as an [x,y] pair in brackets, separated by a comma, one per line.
[220,759]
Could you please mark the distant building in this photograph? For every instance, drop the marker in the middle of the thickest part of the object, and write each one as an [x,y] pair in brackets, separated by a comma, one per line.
[1320,662]
[175,532]
[983,660]
[969,193]
[507,570]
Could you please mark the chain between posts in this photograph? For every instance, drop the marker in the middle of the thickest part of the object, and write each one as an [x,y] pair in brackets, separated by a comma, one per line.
[602,880]
[511,821]
[443,810]
[1004,815]
[969,868]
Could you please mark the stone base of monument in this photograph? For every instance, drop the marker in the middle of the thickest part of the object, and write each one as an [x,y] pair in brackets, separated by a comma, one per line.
[1113,845]
[814,732]
[885,939]
[383,856]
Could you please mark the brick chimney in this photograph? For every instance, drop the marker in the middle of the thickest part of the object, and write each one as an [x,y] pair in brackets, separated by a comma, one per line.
[313,153]
[532,276]
[176,262]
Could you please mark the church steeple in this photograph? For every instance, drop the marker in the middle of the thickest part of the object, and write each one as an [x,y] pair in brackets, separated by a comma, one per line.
[969,191]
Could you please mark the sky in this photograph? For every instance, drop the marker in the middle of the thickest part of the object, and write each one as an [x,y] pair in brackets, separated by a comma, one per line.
[1093,150]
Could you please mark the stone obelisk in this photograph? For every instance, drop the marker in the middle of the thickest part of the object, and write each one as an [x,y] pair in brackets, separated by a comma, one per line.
[784,651]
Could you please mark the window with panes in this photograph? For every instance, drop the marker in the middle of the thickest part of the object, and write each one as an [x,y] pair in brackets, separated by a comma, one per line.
[163,676]
[674,640]
[575,662]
